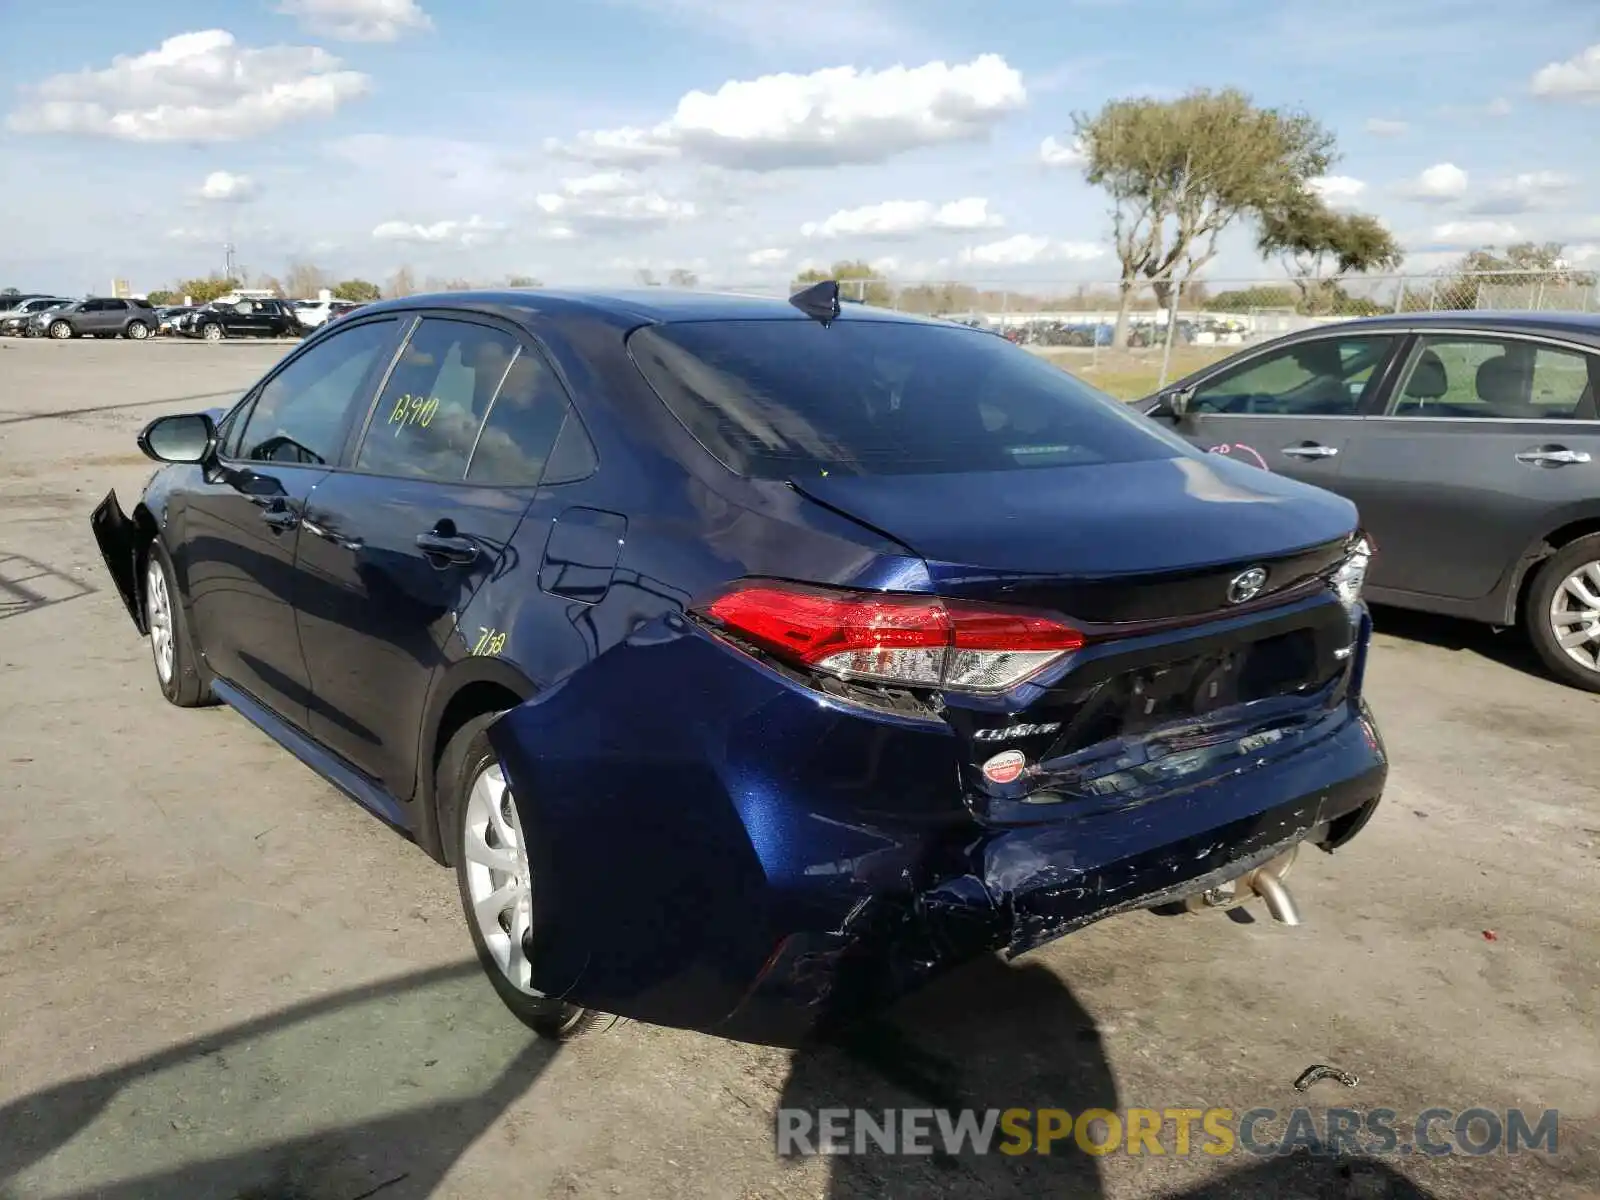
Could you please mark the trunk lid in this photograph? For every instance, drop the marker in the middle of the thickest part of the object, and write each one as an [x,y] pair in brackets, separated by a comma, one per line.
[1110,543]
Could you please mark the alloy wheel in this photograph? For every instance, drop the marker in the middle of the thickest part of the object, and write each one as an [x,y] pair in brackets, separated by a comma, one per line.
[213,333]
[499,881]
[158,614]
[1575,616]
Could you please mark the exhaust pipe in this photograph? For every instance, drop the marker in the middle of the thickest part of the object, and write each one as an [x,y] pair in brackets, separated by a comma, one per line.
[1265,881]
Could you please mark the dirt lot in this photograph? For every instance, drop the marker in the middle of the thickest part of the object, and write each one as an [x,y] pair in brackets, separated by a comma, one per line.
[220,979]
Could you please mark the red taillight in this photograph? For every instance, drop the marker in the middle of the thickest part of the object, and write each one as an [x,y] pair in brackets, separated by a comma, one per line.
[914,641]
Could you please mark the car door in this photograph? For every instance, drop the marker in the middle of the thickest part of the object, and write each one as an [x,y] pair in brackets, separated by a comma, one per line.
[1292,409]
[100,316]
[1485,440]
[243,523]
[395,547]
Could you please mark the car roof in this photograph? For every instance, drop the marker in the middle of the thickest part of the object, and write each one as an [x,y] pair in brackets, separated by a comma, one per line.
[1569,323]
[640,306]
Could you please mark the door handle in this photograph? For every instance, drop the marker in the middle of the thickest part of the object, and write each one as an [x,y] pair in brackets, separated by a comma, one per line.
[450,547]
[1553,456]
[1310,450]
[279,517]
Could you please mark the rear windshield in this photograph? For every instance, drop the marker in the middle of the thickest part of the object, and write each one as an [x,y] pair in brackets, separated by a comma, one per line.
[775,398]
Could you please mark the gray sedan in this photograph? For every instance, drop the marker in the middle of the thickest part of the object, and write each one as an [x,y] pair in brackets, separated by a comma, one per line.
[1470,442]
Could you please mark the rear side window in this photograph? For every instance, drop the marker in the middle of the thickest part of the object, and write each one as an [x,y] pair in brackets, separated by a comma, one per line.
[428,417]
[778,398]
[523,425]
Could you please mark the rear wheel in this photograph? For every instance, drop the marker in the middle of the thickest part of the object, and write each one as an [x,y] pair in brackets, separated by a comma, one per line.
[211,332]
[1562,613]
[496,881]
[137,330]
[60,330]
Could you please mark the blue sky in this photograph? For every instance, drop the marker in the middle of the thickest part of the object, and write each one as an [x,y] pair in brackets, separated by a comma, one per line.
[582,141]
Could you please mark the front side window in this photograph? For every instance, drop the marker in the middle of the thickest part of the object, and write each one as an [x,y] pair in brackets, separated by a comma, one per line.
[1326,377]
[428,417]
[302,413]
[772,399]
[1487,377]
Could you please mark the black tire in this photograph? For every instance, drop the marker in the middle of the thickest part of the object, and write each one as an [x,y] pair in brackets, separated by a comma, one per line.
[1537,618]
[137,331]
[465,758]
[186,682]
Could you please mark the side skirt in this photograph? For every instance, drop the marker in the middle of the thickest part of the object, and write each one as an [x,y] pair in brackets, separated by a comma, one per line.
[356,784]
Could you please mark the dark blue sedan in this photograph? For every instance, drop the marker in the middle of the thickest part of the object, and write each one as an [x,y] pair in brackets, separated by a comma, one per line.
[753,662]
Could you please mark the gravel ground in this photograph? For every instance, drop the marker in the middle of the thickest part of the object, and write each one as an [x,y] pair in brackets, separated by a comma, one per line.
[220,979]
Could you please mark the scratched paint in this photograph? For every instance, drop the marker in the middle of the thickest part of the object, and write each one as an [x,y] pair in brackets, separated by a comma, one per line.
[1242,452]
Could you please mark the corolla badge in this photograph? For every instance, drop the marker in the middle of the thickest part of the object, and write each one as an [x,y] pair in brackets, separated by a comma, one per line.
[1247,585]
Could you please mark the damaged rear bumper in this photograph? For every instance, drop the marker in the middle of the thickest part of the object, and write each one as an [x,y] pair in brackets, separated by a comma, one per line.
[716,848]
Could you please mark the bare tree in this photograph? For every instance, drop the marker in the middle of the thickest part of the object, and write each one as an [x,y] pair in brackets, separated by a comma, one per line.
[401,283]
[1180,172]
[304,280]
[678,277]
[645,277]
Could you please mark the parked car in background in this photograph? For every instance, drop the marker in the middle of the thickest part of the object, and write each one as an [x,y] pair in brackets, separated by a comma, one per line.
[312,313]
[755,662]
[14,322]
[97,316]
[1469,441]
[167,316]
[342,308]
[10,300]
[240,318]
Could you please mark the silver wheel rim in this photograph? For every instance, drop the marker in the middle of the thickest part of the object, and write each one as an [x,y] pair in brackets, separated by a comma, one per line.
[213,333]
[138,332]
[158,614]
[61,330]
[1575,616]
[499,882]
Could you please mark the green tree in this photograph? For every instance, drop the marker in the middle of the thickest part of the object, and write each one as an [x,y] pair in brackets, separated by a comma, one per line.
[857,281]
[204,291]
[358,290]
[1180,172]
[1251,298]
[161,297]
[1319,247]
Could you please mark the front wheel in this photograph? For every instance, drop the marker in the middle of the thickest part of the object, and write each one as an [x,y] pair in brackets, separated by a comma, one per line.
[1562,613]
[496,881]
[61,331]
[180,673]
[212,332]
[137,330]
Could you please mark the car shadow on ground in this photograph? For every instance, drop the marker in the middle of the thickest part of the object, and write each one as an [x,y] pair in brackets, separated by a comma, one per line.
[375,1091]
[1509,647]
[993,1036]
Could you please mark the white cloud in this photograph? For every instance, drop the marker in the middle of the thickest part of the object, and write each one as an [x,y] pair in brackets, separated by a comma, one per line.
[194,87]
[833,116]
[358,20]
[1578,78]
[1023,249]
[1523,193]
[1467,235]
[474,231]
[1054,153]
[1439,184]
[609,202]
[1498,107]
[1386,127]
[224,187]
[772,256]
[1337,191]
[905,218]
[1582,253]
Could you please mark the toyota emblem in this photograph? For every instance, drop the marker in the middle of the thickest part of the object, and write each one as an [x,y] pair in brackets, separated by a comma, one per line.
[1247,585]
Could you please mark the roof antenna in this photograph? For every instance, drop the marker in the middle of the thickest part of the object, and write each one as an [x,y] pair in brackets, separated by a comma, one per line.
[820,301]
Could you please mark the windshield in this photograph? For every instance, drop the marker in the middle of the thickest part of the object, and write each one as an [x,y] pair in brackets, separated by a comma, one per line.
[775,399]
